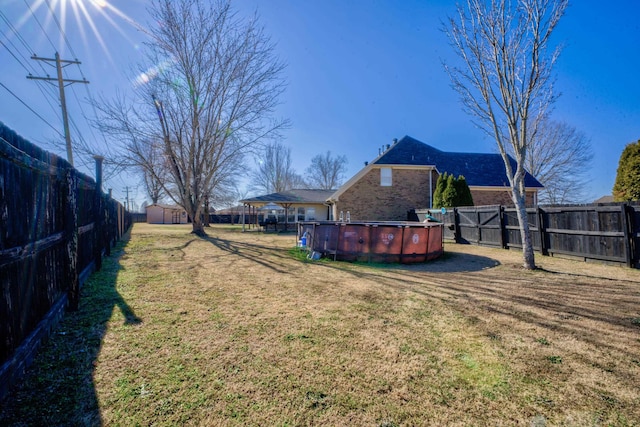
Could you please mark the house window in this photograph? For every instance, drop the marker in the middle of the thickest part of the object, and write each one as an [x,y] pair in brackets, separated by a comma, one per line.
[385,177]
[300,214]
[311,214]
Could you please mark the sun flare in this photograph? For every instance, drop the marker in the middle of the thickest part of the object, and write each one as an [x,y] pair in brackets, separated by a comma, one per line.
[86,15]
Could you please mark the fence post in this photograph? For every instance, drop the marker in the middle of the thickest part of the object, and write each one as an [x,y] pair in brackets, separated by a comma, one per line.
[456,226]
[633,233]
[114,222]
[97,220]
[478,226]
[542,231]
[121,213]
[626,227]
[503,230]
[106,230]
[71,230]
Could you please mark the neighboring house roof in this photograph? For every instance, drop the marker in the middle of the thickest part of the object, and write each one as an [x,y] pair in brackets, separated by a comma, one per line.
[604,199]
[230,210]
[479,169]
[292,196]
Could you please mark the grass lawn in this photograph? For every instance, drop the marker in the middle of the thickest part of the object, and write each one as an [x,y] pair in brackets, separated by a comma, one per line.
[237,329]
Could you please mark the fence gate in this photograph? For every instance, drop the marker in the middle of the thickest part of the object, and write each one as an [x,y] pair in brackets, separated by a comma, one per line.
[482,225]
[468,230]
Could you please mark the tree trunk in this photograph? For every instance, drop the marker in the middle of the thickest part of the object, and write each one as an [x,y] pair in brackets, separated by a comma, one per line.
[527,244]
[197,228]
[205,216]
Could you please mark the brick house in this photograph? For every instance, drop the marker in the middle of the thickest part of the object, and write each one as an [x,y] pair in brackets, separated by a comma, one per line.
[404,177]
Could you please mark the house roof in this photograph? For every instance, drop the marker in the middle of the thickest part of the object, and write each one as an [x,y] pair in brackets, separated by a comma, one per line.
[231,210]
[298,196]
[479,169]
[604,199]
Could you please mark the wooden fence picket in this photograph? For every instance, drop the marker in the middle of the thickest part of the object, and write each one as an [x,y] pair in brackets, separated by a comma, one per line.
[601,232]
[54,228]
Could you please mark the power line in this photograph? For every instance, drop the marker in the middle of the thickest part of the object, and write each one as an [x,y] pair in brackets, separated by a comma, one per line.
[46,95]
[32,110]
[27,65]
[68,44]
[14,56]
[80,136]
[40,25]
[61,84]
[64,35]
[86,119]
[14,31]
[77,129]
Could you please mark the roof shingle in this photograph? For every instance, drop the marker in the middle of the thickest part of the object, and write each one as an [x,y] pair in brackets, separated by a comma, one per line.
[293,196]
[479,169]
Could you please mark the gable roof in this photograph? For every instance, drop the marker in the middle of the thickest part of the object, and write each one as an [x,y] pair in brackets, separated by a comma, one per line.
[479,169]
[292,196]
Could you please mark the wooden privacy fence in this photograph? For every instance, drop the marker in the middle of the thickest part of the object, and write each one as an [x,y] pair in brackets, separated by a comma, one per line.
[213,218]
[55,224]
[592,232]
[233,218]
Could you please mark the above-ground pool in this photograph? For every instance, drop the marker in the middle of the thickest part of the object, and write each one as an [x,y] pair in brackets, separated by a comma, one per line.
[405,242]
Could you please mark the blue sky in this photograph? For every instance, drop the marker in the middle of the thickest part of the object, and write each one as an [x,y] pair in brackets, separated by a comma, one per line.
[359,73]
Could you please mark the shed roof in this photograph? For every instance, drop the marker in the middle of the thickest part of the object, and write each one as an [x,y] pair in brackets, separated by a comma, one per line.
[160,205]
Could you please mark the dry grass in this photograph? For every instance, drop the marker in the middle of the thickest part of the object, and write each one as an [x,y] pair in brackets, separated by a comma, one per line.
[237,330]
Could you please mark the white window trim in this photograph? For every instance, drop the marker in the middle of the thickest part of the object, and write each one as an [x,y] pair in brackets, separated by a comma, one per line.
[386,180]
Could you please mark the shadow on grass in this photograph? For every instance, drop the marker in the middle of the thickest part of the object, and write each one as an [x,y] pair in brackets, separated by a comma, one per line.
[260,254]
[58,388]
[449,262]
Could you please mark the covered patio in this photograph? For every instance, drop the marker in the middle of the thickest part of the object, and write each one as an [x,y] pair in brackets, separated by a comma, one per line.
[282,211]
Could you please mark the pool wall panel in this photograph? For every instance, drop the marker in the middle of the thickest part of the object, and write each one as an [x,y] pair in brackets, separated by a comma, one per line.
[406,242]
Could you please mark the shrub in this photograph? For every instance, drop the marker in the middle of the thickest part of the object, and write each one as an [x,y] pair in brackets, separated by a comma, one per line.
[452,192]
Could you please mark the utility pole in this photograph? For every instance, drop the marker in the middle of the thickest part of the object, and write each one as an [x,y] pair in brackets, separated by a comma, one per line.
[63,103]
[126,203]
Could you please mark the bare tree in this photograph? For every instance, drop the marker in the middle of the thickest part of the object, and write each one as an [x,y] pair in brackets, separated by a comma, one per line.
[326,172]
[275,171]
[505,79]
[153,177]
[222,187]
[209,96]
[560,157]
[225,200]
[153,186]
